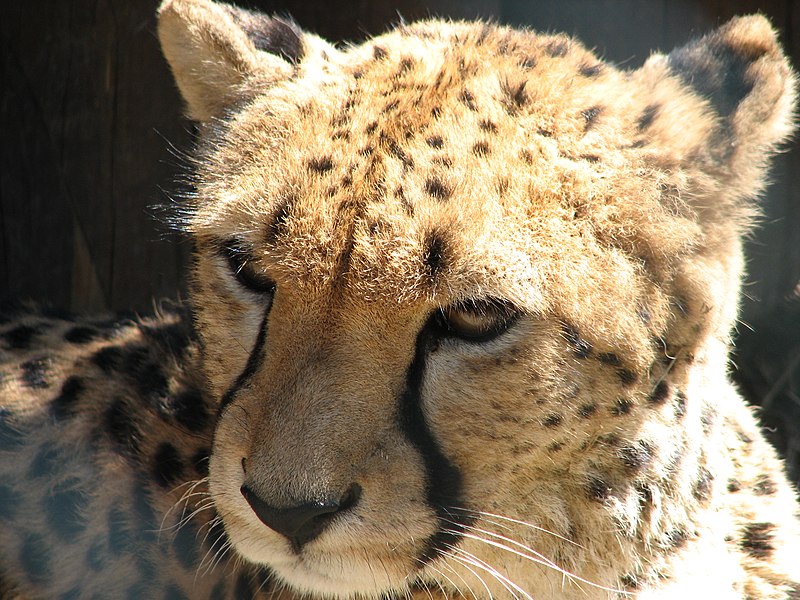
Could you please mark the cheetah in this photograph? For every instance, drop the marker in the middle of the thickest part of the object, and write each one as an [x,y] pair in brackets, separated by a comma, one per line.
[460,311]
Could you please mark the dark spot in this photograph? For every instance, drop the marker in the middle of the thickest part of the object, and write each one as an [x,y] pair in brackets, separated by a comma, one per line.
[398,152]
[20,337]
[528,62]
[405,65]
[593,158]
[660,393]
[527,156]
[65,509]
[587,410]
[609,358]
[580,347]
[62,405]
[434,141]
[96,556]
[588,69]
[371,127]
[10,501]
[36,373]
[626,376]
[743,437]
[514,95]
[73,594]
[590,116]
[379,53]
[108,358]
[629,582]
[120,538]
[597,488]
[646,118]
[48,461]
[243,589]
[468,99]
[676,539]
[555,447]
[552,420]
[703,484]
[122,428]
[437,188]
[480,148]
[167,465]
[200,461]
[434,253]
[276,224]
[764,486]
[487,125]
[622,406]
[680,404]
[35,558]
[734,485]
[173,592]
[390,106]
[636,456]
[11,436]
[186,544]
[189,409]
[219,591]
[557,48]
[145,517]
[81,334]
[544,132]
[757,539]
[320,164]
[610,439]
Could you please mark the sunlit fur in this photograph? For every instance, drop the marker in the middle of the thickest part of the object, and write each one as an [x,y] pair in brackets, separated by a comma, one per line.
[474,271]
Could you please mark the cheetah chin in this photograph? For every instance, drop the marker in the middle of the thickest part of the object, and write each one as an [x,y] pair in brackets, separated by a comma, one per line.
[461,304]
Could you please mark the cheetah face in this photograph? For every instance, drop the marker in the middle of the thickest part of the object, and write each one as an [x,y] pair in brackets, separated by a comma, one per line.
[446,284]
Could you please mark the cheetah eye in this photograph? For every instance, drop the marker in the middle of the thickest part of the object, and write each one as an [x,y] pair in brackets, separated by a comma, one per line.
[477,320]
[241,265]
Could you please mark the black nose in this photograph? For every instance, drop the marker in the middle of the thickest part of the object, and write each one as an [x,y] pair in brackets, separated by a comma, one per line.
[303,522]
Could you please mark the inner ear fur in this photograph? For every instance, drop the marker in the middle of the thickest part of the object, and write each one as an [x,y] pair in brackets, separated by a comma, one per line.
[219,54]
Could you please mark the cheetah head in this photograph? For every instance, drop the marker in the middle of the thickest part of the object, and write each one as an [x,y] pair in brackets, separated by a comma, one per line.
[455,286]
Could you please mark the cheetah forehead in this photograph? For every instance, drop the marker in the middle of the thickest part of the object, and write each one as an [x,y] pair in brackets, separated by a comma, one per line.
[461,159]
[440,156]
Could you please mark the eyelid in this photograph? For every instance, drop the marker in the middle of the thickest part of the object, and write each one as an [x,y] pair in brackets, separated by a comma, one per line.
[500,316]
[237,259]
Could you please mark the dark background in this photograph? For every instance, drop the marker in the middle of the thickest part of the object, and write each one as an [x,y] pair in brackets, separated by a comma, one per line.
[90,127]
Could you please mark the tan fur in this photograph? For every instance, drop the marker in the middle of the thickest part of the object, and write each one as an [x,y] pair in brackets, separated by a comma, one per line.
[600,448]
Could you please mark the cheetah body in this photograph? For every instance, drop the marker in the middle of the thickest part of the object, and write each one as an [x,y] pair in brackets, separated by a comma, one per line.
[461,306]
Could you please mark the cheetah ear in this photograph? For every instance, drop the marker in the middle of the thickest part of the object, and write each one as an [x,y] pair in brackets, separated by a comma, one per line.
[738,95]
[220,54]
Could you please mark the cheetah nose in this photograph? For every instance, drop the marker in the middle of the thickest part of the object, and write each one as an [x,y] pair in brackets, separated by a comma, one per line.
[305,521]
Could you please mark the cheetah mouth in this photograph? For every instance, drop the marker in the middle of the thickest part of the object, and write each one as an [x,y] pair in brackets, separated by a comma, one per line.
[354,572]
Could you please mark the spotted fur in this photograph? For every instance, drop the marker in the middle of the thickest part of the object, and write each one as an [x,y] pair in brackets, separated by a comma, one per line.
[460,314]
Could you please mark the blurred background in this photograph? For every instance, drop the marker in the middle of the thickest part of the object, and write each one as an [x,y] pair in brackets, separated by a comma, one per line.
[90,127]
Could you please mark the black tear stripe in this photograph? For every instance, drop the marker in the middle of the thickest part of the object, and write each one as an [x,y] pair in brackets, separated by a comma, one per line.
[443,482]
[253,362]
